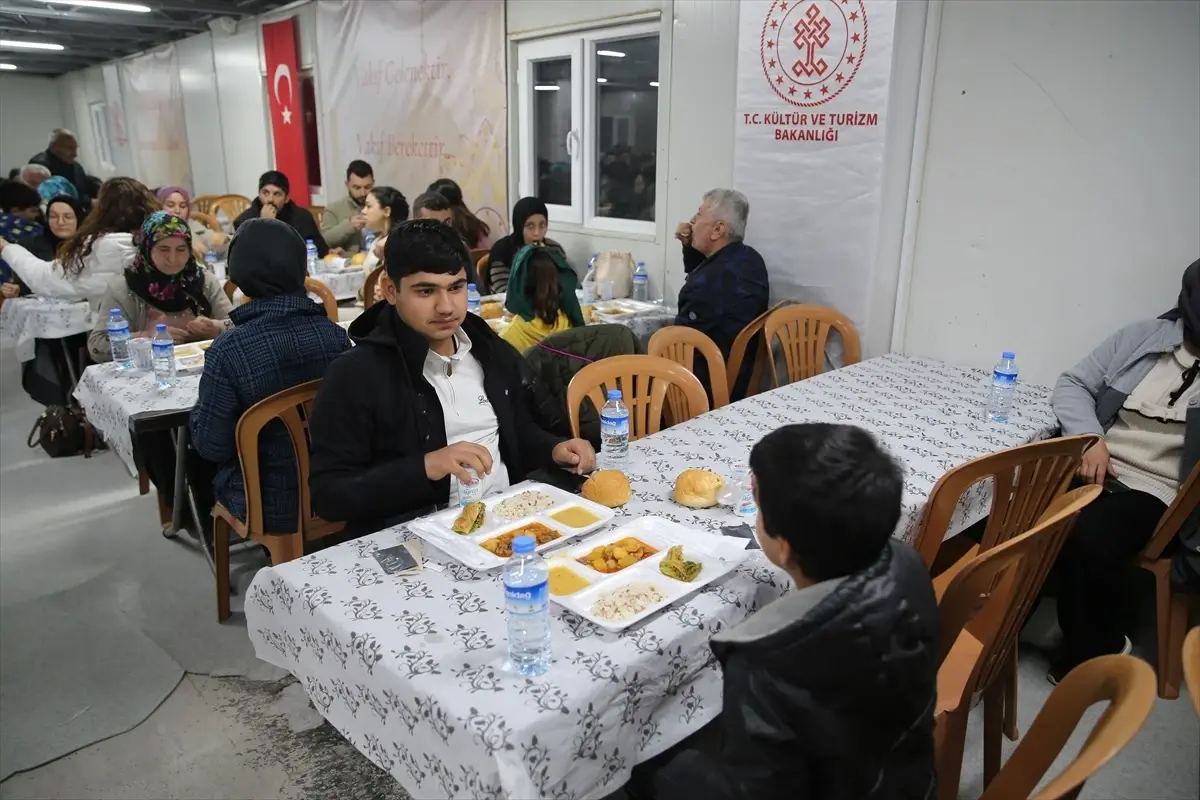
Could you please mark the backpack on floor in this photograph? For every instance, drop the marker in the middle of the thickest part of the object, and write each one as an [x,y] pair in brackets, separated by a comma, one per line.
[63,431]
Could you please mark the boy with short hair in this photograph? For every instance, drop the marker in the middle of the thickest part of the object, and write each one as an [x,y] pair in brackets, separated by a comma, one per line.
[830,690]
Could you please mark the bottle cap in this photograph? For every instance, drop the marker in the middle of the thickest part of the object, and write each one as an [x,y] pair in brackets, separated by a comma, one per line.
[523,544]
[309,242]
[114,312]
[160,327]
[614,394]
[470,287]
[1008,354]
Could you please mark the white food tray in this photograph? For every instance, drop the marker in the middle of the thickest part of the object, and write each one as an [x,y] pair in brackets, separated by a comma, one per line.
[189,358]
[468,549]
[718,556]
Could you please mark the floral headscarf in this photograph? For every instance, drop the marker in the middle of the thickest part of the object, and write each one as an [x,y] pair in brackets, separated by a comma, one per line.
[56,185]
[167,293]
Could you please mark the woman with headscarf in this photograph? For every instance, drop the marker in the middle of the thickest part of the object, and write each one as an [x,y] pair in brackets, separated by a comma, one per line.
[63,214]
[1138,391]
[55,186]
[530,218]
[541,293]
[282,339]
[163,284]
[176,200]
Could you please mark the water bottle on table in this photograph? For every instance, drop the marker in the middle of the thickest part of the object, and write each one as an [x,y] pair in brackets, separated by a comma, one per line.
[474,302]
[745,505]
[589,282]
[527,601]
[1004,386]
[118,339]
[162,349]
[313,258]
[210,262]
[614,430]
[641,283]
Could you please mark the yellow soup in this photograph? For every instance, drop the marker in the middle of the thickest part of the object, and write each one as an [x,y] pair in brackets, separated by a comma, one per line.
[575,517]
[564,581]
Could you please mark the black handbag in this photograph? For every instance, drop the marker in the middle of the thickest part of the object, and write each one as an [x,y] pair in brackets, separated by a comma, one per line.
[63,431]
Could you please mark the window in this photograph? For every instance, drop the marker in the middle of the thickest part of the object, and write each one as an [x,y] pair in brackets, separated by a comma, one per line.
[99,116]
[588,107]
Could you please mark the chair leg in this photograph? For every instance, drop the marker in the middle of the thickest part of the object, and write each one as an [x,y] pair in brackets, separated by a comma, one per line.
[143,482]
[994,711]
[221,565]
[1171,632]
[950,738]
[1010,697]
[283,548]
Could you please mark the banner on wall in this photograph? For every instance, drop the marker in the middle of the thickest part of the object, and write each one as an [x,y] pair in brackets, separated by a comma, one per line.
[418,91]
[283,99]
[118,131]
[812,92]
[153,114]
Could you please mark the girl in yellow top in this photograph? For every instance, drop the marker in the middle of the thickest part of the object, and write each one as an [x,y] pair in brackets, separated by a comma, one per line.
[541,296]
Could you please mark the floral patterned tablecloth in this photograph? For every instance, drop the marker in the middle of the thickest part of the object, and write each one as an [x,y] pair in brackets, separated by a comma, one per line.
[411,669]
[25,319]
[112,398]
[344,285]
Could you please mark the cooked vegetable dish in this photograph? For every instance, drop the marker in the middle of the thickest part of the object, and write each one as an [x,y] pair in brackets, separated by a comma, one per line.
[674,566]
[617,556]
[502,545]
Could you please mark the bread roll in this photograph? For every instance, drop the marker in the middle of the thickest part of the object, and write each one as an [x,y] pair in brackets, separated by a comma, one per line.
[608,487]
[698,488]
[491,310]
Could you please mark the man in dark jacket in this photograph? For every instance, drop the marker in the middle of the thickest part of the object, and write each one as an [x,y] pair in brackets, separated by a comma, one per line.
[429,392]
[281,339]
[273,202]
[60,158]
[829,691]
[726,285]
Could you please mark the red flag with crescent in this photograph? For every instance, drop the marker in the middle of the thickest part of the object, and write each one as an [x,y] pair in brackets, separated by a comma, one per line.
[287,132]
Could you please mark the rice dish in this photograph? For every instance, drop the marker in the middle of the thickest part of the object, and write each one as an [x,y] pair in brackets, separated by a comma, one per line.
[627,601]
[523,504]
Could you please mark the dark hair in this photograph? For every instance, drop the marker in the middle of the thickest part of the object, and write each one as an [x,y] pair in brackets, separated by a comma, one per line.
[15,195]
[14,173]
[469,226]
[274,177]
[432,201]
[542,288]
[122,207]
[360,168]
[424,245]
[393,199]
[831,492]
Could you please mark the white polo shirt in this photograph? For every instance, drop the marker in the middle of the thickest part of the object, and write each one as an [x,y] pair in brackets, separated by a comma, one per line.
[458,381]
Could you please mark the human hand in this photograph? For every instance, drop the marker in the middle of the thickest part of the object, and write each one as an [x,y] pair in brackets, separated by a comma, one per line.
[1096,464]
[218,238]
[198,249]
[269,211]
[684,233]
[204,328]
[358,221]
[3,244]
[178,335]
[452,459]
[337,251]
[576,455]
[10,289]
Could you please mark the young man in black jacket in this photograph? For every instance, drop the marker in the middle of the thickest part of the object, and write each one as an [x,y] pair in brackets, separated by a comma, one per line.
[429,391]
[274,202]
[829,691]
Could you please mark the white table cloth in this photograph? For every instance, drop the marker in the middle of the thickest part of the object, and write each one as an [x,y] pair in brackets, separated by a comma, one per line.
[344,285]
[111,398]
[410,670]
[25,319]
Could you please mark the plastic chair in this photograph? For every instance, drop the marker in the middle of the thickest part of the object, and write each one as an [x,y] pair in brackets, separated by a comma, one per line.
[208,219]
[978,640]
[317,287]
[232,205]
[481,266]
[291,406]
[679,343]
[643,381]
[203,203]
[1171,606]
[749,337]
[1191,666]
[318,213]
[368,290]
[230,289]
[803,331]
[1125,682]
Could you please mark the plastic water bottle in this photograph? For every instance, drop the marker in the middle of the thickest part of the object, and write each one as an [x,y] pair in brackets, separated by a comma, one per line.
[527,600]
[1004,386]
[210,262]
[368,240]
[589,282]
[313,258]
[162,348]
[118,339]
[745,505]
[641,283]
[614,430]
[474,303]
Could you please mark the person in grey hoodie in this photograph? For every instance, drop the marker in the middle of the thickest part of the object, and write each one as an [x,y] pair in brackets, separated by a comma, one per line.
[1139,391]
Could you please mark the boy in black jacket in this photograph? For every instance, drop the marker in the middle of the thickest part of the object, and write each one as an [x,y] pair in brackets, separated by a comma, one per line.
[829,691]
[429,391]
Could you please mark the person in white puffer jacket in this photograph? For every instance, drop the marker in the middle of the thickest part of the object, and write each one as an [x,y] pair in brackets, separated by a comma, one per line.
[101,248]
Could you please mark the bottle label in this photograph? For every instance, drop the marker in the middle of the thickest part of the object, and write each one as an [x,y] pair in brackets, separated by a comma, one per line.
[613,425]
[161,350]
[538,593]
[640,277]
[1008,378]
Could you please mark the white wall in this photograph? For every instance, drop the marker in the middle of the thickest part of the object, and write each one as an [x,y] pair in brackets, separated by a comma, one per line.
[77,91]
[29,110]
[1061,194]
[244,132]
[202,113]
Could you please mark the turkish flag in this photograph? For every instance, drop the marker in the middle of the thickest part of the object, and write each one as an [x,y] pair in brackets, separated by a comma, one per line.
[287,132]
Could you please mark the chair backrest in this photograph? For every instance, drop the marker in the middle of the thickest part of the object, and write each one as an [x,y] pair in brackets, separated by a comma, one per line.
[208,219]
[803,331]
[230,204]
[643,381]
[1125,682]
[481,266]
[679,343]
[203,203]
[314,286]
[1191,666]
[318,213]
[230,288]
[1007,579]
[749,337]
[368,290]
[1175,516]
[293,406]
[1025,480]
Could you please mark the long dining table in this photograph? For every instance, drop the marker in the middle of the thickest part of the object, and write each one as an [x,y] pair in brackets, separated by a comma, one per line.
[411,670]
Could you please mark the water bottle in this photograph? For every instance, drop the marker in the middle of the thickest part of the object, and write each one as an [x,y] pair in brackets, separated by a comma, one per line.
[468,493]
[118,339]
[614,430]
[589,282]
[527,600]
[210,262]
[474,302]
[162,348]
[744,503]
[313,258]
[1004,386]
[641,283]
[368,240]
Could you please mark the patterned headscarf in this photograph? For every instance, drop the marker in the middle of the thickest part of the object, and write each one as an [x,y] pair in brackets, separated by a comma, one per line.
[169,293]
[56,185]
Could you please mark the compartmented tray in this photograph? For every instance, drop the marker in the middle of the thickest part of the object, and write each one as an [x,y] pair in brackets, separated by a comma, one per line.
[717,556]
[469,549]
[189,357]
